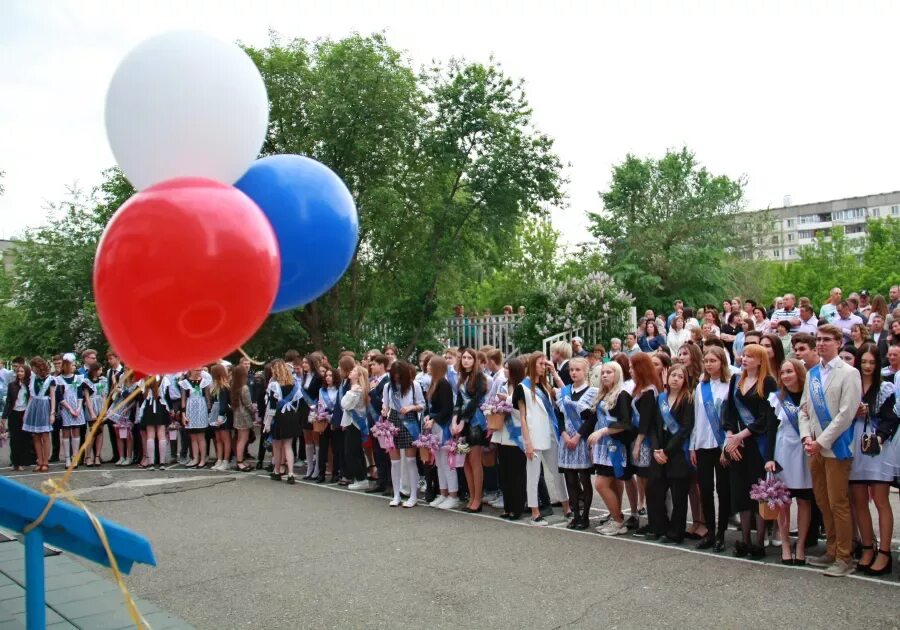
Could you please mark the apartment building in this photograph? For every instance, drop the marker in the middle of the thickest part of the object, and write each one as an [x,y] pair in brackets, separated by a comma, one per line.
[795,226]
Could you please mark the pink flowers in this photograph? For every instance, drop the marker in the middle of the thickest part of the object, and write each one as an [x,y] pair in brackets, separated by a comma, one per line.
[458,450]
[770,491]
[384,431]
[429,441]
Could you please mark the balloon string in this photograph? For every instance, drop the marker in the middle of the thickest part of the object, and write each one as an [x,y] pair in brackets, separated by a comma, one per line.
[59,489]
[247,356]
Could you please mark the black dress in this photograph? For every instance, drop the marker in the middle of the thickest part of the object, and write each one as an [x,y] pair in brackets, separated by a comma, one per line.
[475,436]
[751,467]
[154,413]
[286,422]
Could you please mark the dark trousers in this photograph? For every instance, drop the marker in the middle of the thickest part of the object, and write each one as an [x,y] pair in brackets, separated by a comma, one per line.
[334,438]
[113,441]
[261,449]
[21,446]
[491,478]
[138,443]
[708,466]
[54,440]
[512,479]
[383,462]
[354,460]
[658,485]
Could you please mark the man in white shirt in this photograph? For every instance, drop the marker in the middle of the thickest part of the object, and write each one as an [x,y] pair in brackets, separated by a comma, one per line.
[845,319]
[893,360]
[788,311]
[829,403]
[894,294]
[829,310]
[808,321]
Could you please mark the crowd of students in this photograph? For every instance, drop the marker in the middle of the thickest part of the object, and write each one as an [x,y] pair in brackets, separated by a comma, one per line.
[672,420]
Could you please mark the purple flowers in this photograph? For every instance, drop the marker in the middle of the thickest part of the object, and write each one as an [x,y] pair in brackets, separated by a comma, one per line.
[770,491]
[496,405]
[456,458]
[384,431]
[429,441]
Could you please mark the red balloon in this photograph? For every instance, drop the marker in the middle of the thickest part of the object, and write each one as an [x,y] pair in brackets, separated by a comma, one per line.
[186,271]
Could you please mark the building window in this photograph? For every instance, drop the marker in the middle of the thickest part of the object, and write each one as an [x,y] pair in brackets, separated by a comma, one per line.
[791,222]
[774,240]
[876,212]
[895,211]
[856,229]
[805,234]
[850,213]
[776,253]
[791,251]
[790,237]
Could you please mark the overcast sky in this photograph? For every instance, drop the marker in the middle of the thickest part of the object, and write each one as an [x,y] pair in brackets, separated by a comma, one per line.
[801,97]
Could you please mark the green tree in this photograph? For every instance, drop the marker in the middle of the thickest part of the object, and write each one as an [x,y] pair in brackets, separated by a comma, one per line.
[443,166]
[666,227]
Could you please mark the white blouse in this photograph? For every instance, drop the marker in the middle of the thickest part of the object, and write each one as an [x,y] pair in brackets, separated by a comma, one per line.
[702,436]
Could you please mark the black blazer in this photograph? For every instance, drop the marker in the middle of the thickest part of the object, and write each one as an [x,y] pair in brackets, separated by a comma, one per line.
[315,384]
[11,394]
[673,445]
[621,415]
[440,405]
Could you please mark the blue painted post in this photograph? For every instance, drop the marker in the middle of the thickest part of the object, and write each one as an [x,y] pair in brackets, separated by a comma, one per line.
[34,580]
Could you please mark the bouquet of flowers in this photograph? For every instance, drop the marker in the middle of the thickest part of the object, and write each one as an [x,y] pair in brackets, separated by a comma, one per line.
[430,442]
[772,495]
[384,431]
[459,448]
[4,439]
[496,409]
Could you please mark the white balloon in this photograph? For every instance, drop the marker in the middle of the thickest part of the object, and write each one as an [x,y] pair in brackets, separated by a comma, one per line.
[185,104]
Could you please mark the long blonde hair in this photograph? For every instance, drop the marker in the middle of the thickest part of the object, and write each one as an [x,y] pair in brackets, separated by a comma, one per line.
[362,377]
[610,396]
[281,373]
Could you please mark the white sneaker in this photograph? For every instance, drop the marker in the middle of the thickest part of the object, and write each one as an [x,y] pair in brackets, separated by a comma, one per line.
[497,503]
[68,461]
[122,462]
[449,503]
[612,528]
[410,503]
[359,485]
[394,502]
[438,500]
[540,521]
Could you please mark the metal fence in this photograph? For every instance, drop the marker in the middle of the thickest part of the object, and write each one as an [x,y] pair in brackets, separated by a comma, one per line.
[475,332]
[597,331]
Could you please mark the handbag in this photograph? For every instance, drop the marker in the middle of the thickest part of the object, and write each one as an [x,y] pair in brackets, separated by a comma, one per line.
[868,442]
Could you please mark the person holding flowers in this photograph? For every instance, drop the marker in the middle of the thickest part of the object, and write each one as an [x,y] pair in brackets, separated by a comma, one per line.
[787,460]
[748,416]
[470,424]
[438,414]
[403,401]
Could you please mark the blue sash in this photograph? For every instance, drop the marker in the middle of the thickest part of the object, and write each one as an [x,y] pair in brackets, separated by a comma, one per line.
[671,423]
[515,432]
[411,423]
[747,418]
[636,422]
[570,407]
[614,447]
[307,398]
[712,413]
[791,411]
[360,422]
[841,446]
[551,414]
[329,404]
[285,399]
[477,420]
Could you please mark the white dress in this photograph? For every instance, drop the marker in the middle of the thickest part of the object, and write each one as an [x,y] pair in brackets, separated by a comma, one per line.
[788,449]
[869,467]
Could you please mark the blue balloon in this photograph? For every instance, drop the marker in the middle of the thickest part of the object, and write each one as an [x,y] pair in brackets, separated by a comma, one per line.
[315,221]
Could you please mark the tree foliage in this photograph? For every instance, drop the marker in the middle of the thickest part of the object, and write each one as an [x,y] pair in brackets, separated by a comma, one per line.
[836,261]
[444,166]
[666,227]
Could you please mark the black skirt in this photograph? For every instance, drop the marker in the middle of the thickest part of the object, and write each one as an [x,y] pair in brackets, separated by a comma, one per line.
[286,425]
[745,473]
[475,436]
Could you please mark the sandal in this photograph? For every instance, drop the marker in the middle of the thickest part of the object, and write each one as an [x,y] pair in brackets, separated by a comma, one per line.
[45,468]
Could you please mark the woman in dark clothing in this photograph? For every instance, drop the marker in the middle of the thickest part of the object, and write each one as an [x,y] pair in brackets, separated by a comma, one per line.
[748,416]
[438,414]
[652,339]
[645,414]
[470,423]
[21,449]
[670,470]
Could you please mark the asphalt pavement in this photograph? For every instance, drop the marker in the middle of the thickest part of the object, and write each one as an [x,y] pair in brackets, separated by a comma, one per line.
[238,550]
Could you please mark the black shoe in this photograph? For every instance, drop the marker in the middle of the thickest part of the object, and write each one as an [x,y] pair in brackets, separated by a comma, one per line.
[885,570]
[642,512]
[787,561]
[320,480]
[632,522]
[669,539]
[270,468]
[583,524]
[707,542]
[573,523]
[469,510]
[430,496]
[274,476]
[740,550]
[857,553]
[291,480]
[720,544]
[757,552]
[653,537]
[643,532]
[374,490]
[515,517]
